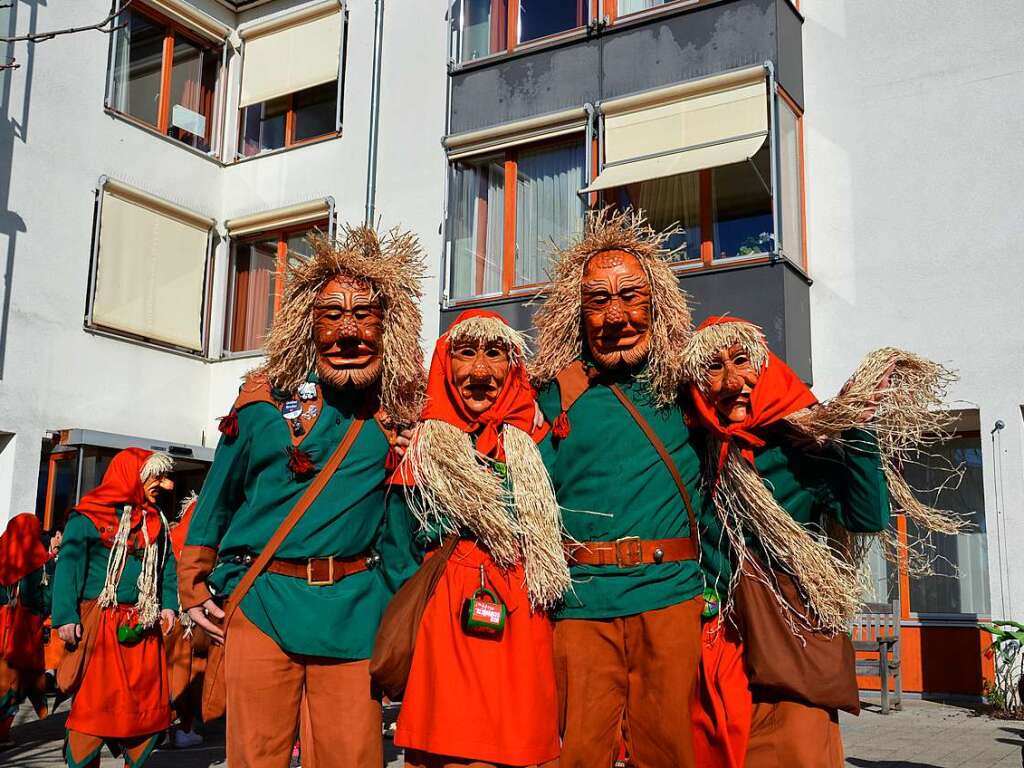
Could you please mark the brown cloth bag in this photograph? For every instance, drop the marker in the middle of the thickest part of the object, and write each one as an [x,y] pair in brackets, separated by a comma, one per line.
[396,636]
[214,685]
[812,669]
[71,669]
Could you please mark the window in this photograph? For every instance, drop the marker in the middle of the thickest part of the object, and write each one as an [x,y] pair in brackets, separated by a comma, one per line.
[635,6]
[149,269]
[499,244]
[165,76]
[257,265]
[486,27]
[791,173]
[290,92]
[742,207]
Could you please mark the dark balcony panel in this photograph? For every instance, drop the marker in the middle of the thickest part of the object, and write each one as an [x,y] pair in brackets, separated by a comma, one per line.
[774,296]
[684,44]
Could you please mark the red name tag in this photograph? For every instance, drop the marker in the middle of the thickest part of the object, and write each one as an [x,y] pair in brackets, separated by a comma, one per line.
[489,613]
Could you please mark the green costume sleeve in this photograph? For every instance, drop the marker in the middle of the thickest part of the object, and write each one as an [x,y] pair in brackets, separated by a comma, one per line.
[223,490]
[858,484]
[399,554]
[169,582]
[69,579]
[33,593]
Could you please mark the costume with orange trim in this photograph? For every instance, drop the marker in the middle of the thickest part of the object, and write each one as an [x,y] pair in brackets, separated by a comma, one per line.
[116,553]
[25,593]
[737,724]
[485,698]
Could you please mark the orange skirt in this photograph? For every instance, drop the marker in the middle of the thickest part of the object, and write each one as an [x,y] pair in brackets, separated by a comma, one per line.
[481,698]
[124,691]
[723,705]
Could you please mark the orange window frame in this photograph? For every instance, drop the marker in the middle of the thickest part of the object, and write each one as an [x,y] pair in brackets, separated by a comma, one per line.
[281,262]
[505,34]
[51,483]
[289,128]
[206,96]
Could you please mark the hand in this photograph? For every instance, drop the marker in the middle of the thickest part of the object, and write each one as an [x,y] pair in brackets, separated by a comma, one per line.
[167,617]
[876,397]
[199,616]
[538,417]
[70,633]
[402,441]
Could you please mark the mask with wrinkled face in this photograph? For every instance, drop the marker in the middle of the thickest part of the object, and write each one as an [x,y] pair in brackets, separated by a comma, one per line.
[616,300]
[729,382]
[479,369]
[348,326]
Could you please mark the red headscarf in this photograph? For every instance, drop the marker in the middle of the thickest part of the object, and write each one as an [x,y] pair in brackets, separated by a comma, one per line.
[122,485]
[514,406]
[777,393]
[21,549]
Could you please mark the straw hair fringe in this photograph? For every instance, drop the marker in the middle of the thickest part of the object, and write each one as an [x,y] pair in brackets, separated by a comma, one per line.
[454,490]
[482,329]
[392,263]
[706,343]
[558,319]
[157,465]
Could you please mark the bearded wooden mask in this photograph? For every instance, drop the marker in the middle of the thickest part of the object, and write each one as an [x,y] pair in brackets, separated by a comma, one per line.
[479,369]
[348,326]
[616,300]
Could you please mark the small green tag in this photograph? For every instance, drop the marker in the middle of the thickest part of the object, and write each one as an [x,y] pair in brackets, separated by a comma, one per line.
[501,469]
[711,603]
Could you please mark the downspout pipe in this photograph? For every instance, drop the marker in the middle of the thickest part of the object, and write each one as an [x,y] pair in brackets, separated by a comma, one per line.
[371,164]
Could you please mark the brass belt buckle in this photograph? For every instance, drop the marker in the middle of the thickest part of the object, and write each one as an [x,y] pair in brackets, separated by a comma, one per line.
[628,552]
[330,572]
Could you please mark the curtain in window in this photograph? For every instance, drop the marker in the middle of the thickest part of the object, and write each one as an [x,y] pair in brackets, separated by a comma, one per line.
[548,210]
[672,201]
[255,286]
[476,225]
[632,6]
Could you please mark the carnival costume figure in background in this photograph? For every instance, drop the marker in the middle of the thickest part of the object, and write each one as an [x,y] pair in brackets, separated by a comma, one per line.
[25,594]
[792,484]
[608,367]
[343,359]
[114,592]
[483,696]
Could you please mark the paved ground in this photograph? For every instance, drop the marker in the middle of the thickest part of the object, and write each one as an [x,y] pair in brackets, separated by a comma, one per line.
[923,735]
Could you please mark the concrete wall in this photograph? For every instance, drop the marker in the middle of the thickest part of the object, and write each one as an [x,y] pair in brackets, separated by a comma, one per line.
[55,143]
[915,112]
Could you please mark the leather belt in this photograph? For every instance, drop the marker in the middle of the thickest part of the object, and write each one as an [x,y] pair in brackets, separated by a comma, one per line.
[630,551]
[324,571]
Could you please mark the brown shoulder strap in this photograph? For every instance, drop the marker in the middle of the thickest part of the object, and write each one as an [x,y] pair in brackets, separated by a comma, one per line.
[307,498]
[663,453]
[572,383]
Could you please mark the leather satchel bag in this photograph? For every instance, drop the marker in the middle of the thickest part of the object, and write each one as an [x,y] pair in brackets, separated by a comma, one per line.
[813,668]
[214,684]
[71,669]
[396,637]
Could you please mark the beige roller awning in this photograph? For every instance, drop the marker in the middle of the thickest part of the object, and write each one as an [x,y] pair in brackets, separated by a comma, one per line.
[191,17]
[502,137]
[279,218]
[684,128]
[151,267]
[290,53]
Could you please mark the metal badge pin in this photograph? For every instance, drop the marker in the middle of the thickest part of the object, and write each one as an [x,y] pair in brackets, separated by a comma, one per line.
[292,409]
[307,391]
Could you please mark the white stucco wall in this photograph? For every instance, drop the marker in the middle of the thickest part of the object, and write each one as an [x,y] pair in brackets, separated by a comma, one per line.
[915,113]
[58,141]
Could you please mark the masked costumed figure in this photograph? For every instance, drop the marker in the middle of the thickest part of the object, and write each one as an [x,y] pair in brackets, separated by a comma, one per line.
[792,483]
[25,571]
[114,593]
[608,366]
[303,454]
[481,689]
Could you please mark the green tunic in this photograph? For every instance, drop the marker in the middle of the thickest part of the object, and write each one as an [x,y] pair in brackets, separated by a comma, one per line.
[247,495]
[610,482]
[82,570]
[846,484]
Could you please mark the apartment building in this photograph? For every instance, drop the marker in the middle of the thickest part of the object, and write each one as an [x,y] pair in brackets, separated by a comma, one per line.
[154,181]
[843,173]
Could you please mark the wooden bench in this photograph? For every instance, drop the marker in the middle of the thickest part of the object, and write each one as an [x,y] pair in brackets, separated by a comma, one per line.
[876,630]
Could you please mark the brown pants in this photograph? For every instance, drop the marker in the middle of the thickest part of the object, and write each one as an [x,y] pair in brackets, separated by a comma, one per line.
[633,676]
[267,688]
[786,734]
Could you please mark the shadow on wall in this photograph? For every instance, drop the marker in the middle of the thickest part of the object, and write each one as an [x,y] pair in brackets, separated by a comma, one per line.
[861,763]
[13,127]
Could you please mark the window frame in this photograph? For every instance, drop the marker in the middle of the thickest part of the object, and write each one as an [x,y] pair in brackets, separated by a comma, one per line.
[172,27]
[281,234]
[509,289]
[134,338]
[511,29]
[798,115]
